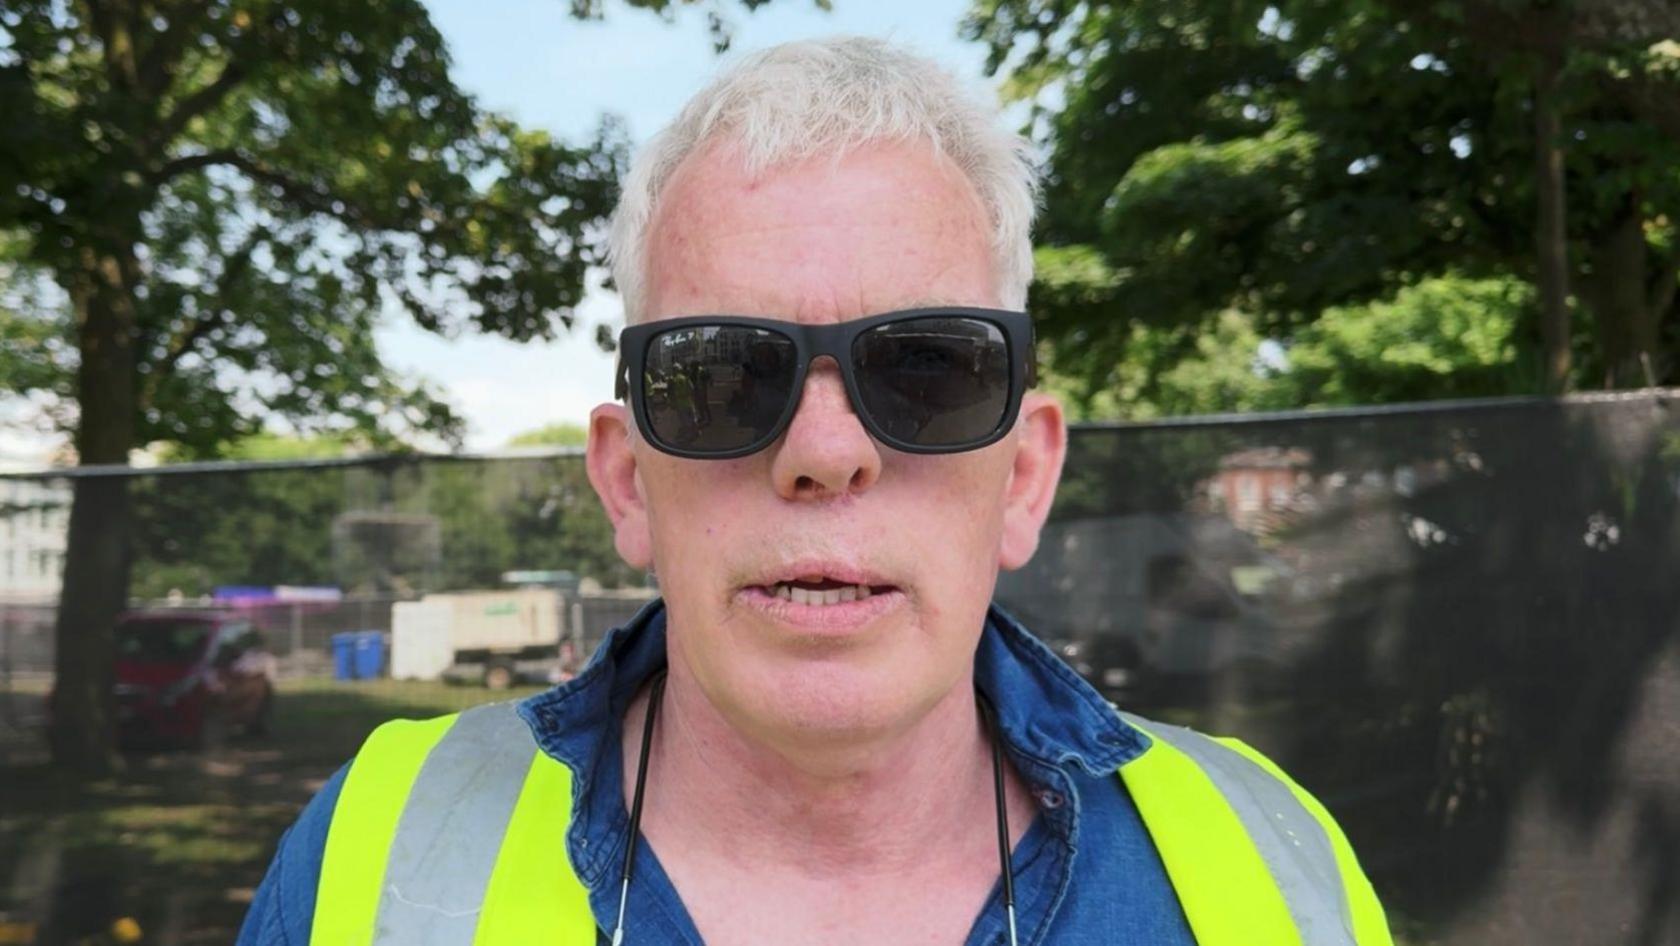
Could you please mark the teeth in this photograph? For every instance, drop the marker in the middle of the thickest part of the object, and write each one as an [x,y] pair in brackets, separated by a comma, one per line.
[790,592]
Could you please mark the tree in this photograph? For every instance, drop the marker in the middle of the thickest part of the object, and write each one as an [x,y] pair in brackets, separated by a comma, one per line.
[1445,337]
[389,523]
[227,195]
[558,434]
[193,532]
[1286,159]
[501,515]
[1448,336]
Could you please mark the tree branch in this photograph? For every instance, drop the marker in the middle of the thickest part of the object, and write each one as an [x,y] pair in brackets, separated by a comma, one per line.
[119,68]
[161,53]
[100,20]
[305,194]
[191,162]
[195,105]
[1666,288]
[212,316]
[182,344]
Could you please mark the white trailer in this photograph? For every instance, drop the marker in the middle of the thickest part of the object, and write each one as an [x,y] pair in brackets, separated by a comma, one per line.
[497,636]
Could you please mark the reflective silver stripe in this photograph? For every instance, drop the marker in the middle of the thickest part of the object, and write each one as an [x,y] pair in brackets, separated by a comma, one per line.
[451,830]
[1290,840]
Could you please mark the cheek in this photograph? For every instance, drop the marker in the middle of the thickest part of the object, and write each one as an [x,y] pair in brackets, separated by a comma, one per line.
[953,511]
[939,517]
[695,510]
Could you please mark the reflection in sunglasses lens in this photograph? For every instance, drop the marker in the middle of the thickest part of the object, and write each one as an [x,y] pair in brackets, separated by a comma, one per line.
[716,388]
[934,381]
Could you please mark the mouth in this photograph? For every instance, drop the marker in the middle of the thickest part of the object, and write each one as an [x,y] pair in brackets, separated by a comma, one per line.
[823,591]
[823,595]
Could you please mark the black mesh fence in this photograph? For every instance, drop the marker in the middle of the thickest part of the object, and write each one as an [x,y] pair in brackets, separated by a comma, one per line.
[1459,625]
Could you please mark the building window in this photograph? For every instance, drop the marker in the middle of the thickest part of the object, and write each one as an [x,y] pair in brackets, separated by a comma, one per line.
[1248,494]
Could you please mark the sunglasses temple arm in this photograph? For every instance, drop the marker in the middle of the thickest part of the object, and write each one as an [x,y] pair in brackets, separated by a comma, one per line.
[621,385]
[1032,355]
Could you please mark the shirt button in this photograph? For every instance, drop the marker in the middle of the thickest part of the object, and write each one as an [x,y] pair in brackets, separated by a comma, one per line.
[1050,800]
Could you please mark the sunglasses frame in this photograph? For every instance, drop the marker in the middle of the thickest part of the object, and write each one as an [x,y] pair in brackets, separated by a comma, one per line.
[834,340]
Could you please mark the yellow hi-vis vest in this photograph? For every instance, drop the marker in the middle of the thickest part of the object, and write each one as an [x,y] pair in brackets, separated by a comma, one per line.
[452,831]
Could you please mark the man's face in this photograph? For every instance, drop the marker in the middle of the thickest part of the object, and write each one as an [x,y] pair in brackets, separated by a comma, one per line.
[887,227]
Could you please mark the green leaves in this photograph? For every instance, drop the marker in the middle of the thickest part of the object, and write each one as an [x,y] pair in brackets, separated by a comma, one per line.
[278,177]
[1297,161]
[1450,336]
[1444,337]
[230,194]
[558,434]
[36,354]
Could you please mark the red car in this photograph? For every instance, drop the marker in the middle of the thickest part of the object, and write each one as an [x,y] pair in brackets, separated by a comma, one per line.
[191,676]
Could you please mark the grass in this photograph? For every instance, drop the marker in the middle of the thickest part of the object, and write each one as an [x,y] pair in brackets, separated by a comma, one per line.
[170,851]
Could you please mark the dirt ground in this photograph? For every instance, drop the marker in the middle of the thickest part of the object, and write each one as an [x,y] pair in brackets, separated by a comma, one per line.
[170,851]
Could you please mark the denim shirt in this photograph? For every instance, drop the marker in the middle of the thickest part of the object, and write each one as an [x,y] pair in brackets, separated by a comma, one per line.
[1086,871]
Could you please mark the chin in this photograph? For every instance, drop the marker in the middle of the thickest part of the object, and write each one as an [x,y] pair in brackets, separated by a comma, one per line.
[839,700]
[783,677]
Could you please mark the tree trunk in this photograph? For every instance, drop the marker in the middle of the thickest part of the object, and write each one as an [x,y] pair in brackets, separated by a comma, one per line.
[95,588]
[1626,324]
[1550,235]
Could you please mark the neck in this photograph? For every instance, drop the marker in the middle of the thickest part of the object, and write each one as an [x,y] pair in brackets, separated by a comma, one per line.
[879,803]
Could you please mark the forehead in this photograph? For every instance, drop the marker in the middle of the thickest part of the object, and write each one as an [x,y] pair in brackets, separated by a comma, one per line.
[885,226]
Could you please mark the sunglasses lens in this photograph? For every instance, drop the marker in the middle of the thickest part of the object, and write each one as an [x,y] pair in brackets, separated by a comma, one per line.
[939,381]
[716,388]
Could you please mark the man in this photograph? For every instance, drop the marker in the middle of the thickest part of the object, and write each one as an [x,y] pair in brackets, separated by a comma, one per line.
[822,734]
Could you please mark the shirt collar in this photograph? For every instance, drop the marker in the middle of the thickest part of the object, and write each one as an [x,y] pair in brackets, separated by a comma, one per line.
[1045,711]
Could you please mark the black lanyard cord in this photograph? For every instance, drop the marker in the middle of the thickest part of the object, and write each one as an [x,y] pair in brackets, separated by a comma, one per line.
[657,697]
[987,714]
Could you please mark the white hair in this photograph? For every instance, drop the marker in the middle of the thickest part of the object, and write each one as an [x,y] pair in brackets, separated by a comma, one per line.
[800,99]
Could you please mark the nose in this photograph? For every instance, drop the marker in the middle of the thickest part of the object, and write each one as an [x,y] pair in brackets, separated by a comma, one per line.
[825,453]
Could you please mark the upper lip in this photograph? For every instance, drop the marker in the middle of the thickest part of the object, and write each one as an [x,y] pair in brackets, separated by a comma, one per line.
[842,572]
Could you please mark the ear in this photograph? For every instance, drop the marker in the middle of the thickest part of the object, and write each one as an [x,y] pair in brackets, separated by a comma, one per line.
[612,471]
[1040,446]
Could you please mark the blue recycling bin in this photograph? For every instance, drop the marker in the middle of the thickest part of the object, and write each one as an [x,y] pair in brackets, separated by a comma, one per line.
[370,655]
[344,655]
[358,655]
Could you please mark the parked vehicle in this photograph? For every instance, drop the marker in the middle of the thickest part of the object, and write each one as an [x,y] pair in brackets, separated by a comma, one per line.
[497,637]
[191,677]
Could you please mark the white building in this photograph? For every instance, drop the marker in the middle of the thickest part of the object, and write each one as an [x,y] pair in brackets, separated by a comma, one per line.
[34,531]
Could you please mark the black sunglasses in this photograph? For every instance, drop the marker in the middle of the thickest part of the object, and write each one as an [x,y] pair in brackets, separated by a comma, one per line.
[938,380]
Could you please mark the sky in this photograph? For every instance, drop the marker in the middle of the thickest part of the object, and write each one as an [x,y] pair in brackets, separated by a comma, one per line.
[529,59]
